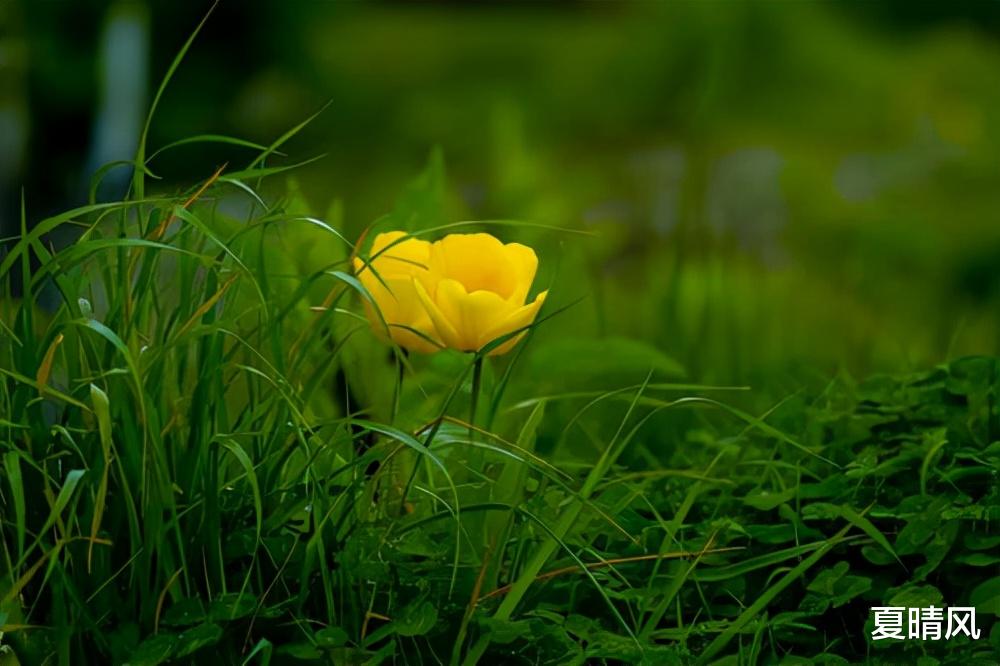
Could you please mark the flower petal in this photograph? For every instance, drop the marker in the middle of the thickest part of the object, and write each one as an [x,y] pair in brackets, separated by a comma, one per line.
[402,251]
[420,336]
[472,315]
[518,319]
[479,262]
[444,328]
[524,263]
[401,310]
[395,261]
[394,254]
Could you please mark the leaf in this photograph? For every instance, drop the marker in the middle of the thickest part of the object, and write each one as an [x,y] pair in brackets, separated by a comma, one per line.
[303,651]
[15,481]
[938,548]
[330,637]
[154,650]
[604,645]
[917,596]
[264,648]
[62,499]
[102,409]
[827,578]
[185,612]
[974,541]
[45,369]
[503,632]
[877,556]
[919,530]
[850,587]
[416,619]
[977,559]
[192,640]
[248,469]
[746,565]
[232,606]
[765,500]
[781,533]
[986,596]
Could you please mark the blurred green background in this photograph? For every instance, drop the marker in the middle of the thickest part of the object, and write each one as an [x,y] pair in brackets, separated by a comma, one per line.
[773,191]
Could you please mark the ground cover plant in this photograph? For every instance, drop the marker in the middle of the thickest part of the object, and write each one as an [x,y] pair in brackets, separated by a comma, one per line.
[212,451]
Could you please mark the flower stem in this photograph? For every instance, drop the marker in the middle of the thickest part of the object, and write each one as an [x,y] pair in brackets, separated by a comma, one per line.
[475,455]
[477,385]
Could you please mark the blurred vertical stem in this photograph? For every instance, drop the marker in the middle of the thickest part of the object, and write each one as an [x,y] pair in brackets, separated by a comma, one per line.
[476,457]
[398,388]
[477,385]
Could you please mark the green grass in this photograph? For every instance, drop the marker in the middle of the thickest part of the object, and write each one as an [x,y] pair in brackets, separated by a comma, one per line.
[208,457]
[194,469]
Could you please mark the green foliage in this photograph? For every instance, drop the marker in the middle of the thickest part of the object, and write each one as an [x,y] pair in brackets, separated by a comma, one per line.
[199,463]
[208,457]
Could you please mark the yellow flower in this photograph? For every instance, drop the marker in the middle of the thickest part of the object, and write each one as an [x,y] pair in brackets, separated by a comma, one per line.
[477,291]
[462,292]
[390,278]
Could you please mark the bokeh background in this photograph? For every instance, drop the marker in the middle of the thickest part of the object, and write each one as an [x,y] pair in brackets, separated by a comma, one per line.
[772,192]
